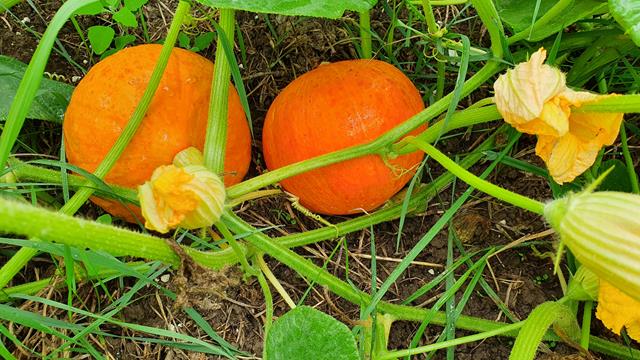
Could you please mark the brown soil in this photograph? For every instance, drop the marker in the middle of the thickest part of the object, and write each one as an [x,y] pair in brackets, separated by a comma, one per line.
[521,278]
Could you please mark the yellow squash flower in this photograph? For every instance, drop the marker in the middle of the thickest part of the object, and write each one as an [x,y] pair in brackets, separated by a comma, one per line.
[188,196]
[534,98]
[617,310]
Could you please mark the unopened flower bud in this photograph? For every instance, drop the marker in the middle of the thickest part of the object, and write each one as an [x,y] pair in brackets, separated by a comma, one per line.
[188,196]
[602,229]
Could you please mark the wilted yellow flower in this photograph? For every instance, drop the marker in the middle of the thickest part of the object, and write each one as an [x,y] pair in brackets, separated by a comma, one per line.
[617,310]
[534,98]
[602,229]
[188,196]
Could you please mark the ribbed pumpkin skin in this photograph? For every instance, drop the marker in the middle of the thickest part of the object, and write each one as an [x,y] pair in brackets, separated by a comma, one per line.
[333,107]
[106,97]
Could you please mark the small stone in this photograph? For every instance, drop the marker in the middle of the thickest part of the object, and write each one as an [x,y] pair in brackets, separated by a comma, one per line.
[165,278]
[76,78]
[431,272]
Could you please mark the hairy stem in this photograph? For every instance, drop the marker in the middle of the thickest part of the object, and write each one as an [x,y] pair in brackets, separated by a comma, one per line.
[480,184]
[365,34]
[216,138]
[26,220]
[450,343]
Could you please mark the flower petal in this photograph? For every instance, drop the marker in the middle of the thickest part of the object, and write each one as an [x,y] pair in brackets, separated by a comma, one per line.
[153,219]
[553,120]
[522,92]
[617,310]
[188,196]
[566,157]
[602,128]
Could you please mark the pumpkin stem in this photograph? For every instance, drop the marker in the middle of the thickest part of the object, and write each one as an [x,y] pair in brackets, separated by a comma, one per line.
[216,139]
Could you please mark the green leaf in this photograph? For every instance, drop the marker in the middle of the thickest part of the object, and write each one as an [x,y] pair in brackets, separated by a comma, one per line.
[627,14]
[618,178]
[184,41]
[306,333]
[100,38]
[51,99]
[112,3]
[91,9]
[124,40]
[518,15]
[536,325]
[134,5]
[125,17]
[203,41]
[105,219]
[332,9]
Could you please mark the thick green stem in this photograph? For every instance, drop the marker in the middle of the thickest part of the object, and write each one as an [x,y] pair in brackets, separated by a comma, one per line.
[432,26]
[460,119]
[488,13]
[28,171]
[365,35]
[586,324]
[216,138]
[620,103]
[33,77]
[22,257]
[480,184]
[26,220]
[455,342]
[417,202]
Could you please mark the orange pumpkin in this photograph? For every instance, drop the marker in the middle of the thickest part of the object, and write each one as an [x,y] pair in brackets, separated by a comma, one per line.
[333,107]
[106,97]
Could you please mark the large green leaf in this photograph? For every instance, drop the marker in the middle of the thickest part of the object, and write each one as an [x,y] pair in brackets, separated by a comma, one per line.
[518,14]
[332,9]
[51,99]
[618,178]
[627,14]
[306,333]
